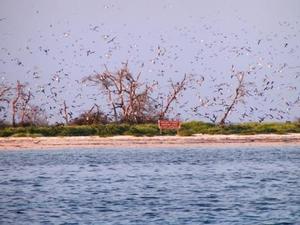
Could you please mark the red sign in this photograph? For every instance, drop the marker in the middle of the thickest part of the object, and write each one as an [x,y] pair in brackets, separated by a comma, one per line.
[169,124]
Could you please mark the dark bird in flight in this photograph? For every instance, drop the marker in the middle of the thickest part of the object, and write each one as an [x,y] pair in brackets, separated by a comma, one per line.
[111,40]
[89,52]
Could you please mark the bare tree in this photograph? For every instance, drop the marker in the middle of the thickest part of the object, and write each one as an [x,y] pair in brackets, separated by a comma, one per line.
[238,95]
[5,91]
[19,102]
[64,111]
[25,108]
[34,116]
[131,100]
[93,116]
[128,97]
[173,95]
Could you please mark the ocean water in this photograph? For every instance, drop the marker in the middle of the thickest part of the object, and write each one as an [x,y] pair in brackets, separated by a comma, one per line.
[151,186]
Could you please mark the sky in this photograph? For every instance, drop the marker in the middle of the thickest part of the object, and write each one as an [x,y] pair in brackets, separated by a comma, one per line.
[61,42]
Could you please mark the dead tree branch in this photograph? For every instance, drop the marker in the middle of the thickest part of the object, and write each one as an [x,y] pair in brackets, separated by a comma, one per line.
[127,95]
[173,95]
[20,102]
[240,92]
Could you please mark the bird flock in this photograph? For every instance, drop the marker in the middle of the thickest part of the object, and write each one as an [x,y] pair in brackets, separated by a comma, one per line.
[55,59]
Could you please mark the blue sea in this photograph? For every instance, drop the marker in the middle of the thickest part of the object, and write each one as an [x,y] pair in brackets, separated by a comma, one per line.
[254,185]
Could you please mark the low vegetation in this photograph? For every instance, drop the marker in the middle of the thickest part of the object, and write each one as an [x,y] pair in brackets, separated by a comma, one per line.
[187,129]
[195,127]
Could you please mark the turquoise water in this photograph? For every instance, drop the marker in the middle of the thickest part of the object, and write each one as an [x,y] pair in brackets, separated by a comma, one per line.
[151,186]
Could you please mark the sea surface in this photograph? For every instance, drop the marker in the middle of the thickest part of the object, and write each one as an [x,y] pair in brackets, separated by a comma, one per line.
[254,185]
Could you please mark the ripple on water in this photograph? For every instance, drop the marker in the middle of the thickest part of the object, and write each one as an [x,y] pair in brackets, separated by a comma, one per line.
[151,186]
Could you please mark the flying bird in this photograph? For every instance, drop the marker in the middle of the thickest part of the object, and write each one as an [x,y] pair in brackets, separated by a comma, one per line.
[111,40]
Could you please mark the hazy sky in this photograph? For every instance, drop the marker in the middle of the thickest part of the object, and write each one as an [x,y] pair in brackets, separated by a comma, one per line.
[59,42]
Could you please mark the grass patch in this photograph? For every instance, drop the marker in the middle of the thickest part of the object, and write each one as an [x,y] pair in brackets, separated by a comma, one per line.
[143,130]
[112,129]
[196,127]
[187,129]
[77,131]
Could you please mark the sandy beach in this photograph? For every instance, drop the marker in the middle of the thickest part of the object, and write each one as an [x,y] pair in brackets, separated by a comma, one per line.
[23,143]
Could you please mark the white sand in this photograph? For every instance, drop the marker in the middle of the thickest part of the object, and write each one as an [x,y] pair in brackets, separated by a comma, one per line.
[21,143]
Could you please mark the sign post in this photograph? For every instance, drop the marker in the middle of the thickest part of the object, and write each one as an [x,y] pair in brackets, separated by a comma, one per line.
[168,125]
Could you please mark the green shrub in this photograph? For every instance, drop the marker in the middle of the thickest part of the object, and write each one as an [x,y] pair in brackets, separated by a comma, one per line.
[185,132]
[6,132]
[187,129]
[112,129]
[196,126]
[21,134]
[143,130]
[237,129]
[45,131]
[77,131]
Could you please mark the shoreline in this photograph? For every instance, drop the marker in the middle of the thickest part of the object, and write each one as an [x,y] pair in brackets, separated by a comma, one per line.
[39,143]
